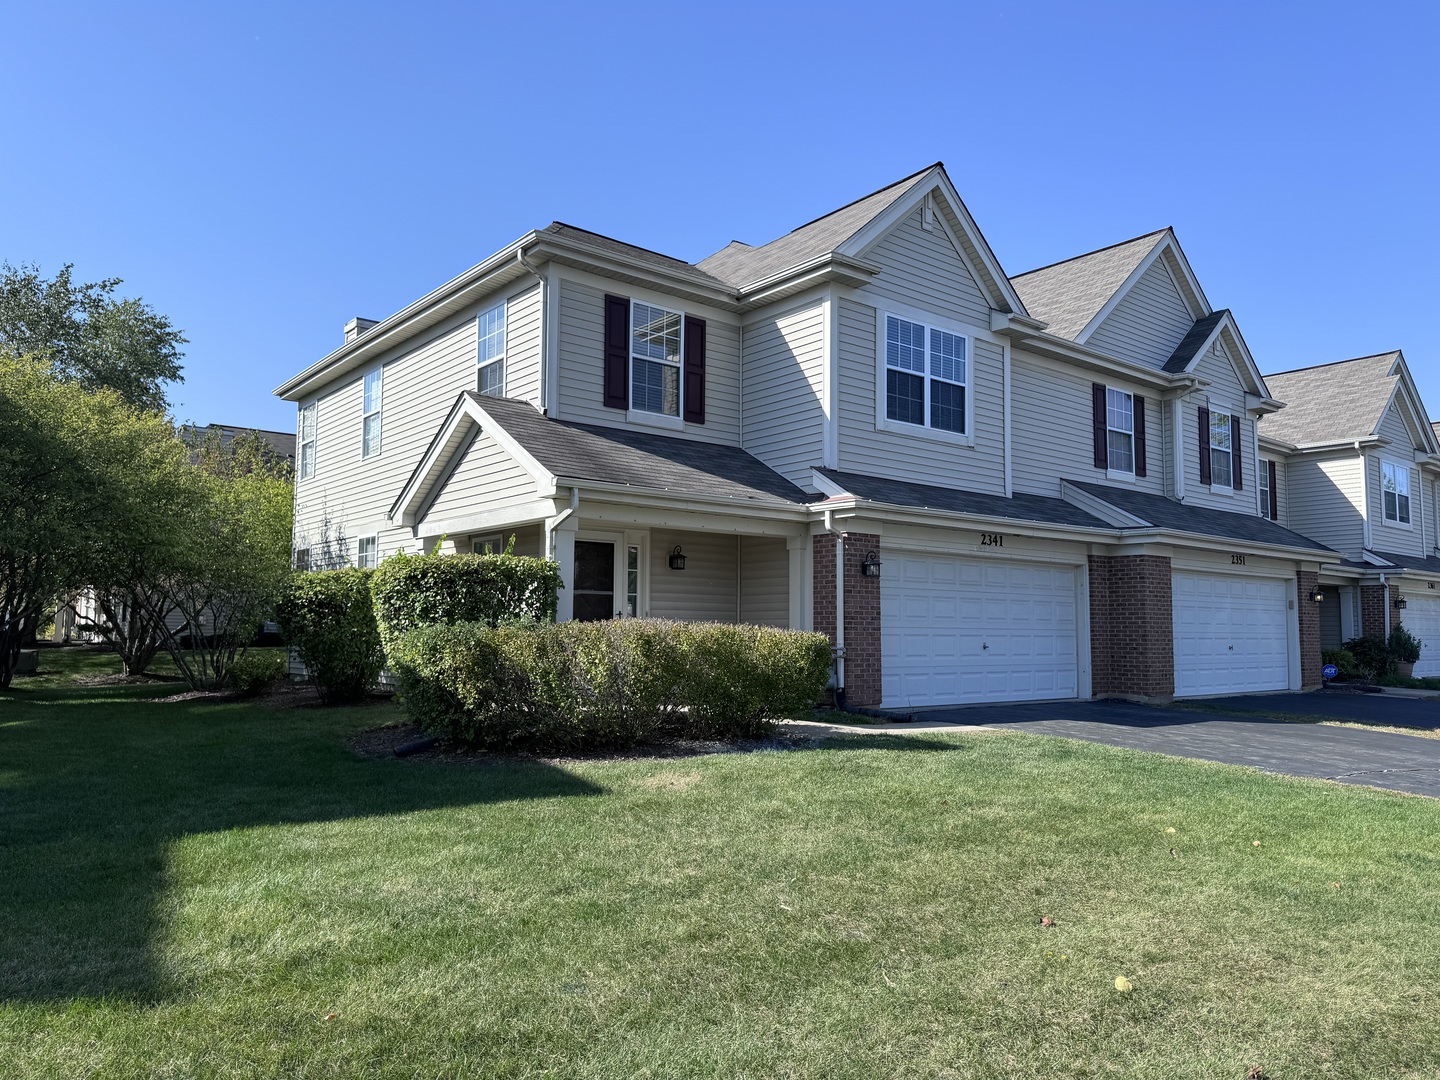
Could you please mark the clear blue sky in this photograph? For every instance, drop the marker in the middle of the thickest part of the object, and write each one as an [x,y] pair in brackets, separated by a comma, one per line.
[262,172]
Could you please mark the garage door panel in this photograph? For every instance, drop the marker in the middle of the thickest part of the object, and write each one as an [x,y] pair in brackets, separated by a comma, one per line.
[1231,634]
[1422,618]
[967,630]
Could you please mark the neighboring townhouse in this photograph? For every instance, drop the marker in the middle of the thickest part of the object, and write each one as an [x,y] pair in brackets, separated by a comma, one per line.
[1354,462]
[981,488]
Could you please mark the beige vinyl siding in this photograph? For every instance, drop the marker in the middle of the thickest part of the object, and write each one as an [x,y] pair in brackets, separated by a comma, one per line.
[764,581]
[922,270]
[524,314]
[486,478]
[916,458]
[529,539]
[582,375]
[423,378]
[784,416]
[1148,323]
[706,590]
[1051,411]
[1323,502]
[1225,393]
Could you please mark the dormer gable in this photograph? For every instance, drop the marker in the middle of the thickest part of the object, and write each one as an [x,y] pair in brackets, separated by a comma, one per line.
[1213,341]
[1348,401]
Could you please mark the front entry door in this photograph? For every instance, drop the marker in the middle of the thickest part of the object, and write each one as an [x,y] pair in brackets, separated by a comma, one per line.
[594,580]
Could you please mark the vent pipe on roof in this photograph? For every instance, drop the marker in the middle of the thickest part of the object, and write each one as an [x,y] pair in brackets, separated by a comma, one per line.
[357,326]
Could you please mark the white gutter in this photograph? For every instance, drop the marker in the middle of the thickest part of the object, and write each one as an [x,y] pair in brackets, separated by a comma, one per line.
[551,524]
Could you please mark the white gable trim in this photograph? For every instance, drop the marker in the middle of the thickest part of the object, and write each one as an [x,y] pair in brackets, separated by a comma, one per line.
[1238,354]
[988,276]
[1195,303]
[466,419]
[1413,402]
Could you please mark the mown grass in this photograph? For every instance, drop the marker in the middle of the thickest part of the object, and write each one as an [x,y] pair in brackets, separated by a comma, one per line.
[225,890]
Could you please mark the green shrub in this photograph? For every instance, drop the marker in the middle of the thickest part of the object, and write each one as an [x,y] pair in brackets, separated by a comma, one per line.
[1404,646]
[329,618]
[411,591]
[574,685]
[1349,668]
[257,670]
[1372,654]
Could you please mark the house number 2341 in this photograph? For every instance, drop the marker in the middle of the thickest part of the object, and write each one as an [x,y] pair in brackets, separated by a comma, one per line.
[992,540]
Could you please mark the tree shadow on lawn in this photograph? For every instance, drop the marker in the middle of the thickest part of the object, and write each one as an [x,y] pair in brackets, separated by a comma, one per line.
[94,792]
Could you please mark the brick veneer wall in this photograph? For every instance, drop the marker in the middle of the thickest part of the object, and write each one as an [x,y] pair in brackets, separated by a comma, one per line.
[1132,627]
[1372,611]
[1306,583]
[862,611]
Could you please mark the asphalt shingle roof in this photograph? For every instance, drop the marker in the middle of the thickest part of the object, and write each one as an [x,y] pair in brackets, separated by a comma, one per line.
[740,264]
[661,262]
[1165,513]
[1068,294]
[1429,565]
[638,458]
[1191,342]
[1331,403]
[1036,508]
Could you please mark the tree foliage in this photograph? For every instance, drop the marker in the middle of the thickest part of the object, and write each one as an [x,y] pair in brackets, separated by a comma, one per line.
[89,335]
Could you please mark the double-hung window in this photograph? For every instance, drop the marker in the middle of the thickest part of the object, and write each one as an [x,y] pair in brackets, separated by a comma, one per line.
[367,550]
[307,441]
[926,376]
[1120,431]
[1221,469]
[491,355]
[370,424]
[655,359]
[1263,471]
[1395,486]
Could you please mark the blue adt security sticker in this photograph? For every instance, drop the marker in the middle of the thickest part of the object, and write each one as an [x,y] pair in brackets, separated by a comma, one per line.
[1330,671]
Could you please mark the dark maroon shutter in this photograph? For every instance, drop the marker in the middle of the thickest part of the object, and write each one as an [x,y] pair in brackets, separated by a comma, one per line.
[1274,497]
[694,392]
[617,352]
[1099,425]
[1236,458]
[1204,445]
[1139,435]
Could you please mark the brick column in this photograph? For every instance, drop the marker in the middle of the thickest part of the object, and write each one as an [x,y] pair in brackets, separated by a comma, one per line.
[1372,611]
[862,621]
[862,611]
[1132,626]
[1306,583]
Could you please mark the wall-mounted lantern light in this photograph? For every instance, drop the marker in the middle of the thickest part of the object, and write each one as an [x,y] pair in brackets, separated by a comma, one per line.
[677,559]
[1318,596]
[871,566]
[1399,601]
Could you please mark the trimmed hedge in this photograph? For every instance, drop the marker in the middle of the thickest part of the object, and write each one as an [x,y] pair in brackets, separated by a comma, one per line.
[411,591]
[329,617]
[574,685]
[254,672]
[1372,657]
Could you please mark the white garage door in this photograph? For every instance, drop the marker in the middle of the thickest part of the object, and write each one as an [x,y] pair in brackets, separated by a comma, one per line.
[1422,618]
[1232,634]
[956,631]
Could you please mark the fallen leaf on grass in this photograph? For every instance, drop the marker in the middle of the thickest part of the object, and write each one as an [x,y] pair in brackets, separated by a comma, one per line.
[1255,843]
[332,1016]
[1047,921]
[1171,830]
[1255,1072]
[1174,854]
[1123,984]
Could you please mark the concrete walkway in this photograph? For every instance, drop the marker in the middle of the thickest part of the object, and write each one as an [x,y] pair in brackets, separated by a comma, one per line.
[1349,755]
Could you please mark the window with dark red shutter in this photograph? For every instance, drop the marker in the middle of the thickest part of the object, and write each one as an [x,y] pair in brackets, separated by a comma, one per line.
[1204,442]
[1274,497]
[1100,428]
[693,388]
[1139,435]
[1236,458]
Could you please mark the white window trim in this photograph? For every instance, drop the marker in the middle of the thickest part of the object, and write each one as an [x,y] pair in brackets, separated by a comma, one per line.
[495,540]
[925,431]
[1228,487]
[645,416]
[374,539]
[297,560]
[504,308]
[313,442]
[1120,474]
[1409,498]
[378,412]
[1262,486]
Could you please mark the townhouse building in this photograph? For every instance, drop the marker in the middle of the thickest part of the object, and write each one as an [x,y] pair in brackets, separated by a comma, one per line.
[981,487]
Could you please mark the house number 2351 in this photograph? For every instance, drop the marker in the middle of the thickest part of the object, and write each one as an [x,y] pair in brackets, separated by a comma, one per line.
[992,540]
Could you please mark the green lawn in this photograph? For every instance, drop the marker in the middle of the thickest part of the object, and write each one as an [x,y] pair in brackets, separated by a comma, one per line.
[192,889]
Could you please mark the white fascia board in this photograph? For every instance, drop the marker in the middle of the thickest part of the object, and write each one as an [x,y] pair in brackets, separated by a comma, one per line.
[1276,446]
[600,491]
[1002,293]
[409,320]
[1058,348]
[1098,507]
[567,251]
[1209,542]
[822,270]
[827,487]
[1369,557]
[530,512]
[950,519]
[1351,445]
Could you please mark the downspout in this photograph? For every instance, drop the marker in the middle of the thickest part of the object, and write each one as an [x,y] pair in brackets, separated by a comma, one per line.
[1384,584]
[839,608]
[544,325]
[551,524]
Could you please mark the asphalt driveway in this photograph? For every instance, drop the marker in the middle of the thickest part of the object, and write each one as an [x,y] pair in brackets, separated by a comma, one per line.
[1349,755]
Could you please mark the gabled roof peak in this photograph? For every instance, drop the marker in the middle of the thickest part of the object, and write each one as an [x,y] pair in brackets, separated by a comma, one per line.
[1391,354]
[1097,251]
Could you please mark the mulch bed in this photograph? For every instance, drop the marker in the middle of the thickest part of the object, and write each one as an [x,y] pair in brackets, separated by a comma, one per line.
[381,742]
